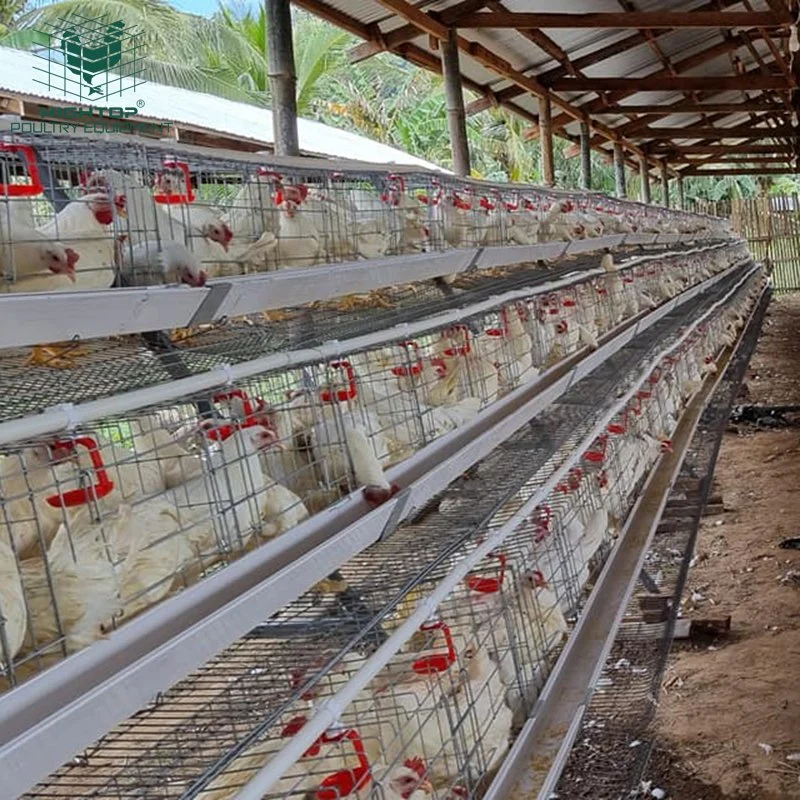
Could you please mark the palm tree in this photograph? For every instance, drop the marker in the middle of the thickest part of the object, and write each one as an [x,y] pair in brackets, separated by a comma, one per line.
[177,44]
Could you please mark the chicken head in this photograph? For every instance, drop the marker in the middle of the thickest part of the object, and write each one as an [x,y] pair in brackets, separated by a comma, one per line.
[58,259]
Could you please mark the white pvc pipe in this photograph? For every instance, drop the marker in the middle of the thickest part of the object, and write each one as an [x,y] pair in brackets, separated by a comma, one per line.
[330,712]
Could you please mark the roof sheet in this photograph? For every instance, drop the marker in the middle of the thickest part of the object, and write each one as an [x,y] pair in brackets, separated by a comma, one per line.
[638,61]
[17,77]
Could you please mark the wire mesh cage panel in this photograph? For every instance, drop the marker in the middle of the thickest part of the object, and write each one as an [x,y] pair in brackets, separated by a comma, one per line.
[102,523]
[441,712]
[82,214]
[536,328]
[633,673]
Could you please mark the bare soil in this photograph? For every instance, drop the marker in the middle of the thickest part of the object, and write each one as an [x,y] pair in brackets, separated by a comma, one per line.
[728,723]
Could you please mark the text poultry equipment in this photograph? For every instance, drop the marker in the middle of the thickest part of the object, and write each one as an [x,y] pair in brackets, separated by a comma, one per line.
[431,687]
[239,234]
[19,709]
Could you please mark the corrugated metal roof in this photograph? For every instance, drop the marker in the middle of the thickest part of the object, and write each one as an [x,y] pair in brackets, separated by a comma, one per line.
[18,77]
[526,57]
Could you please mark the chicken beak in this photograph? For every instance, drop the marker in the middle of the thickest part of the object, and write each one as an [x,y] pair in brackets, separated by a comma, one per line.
[196,281]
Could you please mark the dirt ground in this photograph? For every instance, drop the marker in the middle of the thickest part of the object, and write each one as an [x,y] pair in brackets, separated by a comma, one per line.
[728,724]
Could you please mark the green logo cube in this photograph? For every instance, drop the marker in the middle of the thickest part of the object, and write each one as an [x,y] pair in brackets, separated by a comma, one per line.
[80,53]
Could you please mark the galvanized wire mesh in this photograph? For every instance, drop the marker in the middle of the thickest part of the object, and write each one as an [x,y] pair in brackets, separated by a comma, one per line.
[138,505]
[36,379]
[614,744]
[85,214]
[445,706]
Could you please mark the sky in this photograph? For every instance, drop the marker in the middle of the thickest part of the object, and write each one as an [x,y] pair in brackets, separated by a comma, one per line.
[205,7]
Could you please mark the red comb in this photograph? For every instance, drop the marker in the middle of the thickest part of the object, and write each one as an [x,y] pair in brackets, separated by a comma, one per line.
[417,764]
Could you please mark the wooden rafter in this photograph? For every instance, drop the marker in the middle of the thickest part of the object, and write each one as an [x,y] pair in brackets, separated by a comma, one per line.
[569,76]
[427,24]
[690,62]
[732,159]
[639,20]
[689,107]
[383,42]
[411,52]
[675,151]
[709,131]
[590,59]
[739,171]
[679,83]
[630,7]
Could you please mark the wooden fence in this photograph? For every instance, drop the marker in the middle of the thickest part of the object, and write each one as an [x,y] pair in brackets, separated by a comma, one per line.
[771,224]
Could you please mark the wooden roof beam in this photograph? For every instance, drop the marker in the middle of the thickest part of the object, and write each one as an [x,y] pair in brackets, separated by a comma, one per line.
[731,160]
[630,7]
[590,59]
[383,42]
[641,20]
[709,131]
[680,83]
[676,151]
[544,43]
[411,52]
[780,9]
[739,171]
[690,62]
[688,107]
[501,67]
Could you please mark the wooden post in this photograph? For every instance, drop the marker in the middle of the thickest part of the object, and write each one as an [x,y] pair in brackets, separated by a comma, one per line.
[644,177]
[454,96]
[586,157]
[282,78]
[546,138]
[681,195]
[665,182]
[619,169]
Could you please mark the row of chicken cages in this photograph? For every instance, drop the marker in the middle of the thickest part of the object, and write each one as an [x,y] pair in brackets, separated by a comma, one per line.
[103,522]
[441,713]
[89,215]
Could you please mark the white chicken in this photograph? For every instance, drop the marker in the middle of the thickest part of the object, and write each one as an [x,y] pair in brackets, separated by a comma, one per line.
[418,711]
[152,263]
[148,222]
[185,529]
[345,433]
[539,625]
[299,241]
[257,256]
[253,211]
[27,479]
[152,442]
[74,591]
[31,261]
[85,226]
[510,349]
[465,372]
[13,610]
[565,554]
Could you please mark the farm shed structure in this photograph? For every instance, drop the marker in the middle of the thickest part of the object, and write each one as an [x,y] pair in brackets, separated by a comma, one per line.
[674,88]
[572,359]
